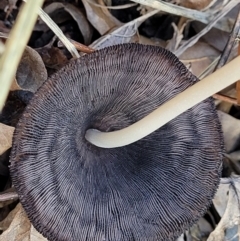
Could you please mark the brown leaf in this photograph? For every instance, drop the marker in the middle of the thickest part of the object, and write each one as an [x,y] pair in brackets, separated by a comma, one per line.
[200,230]
[226,202]
[122,34]
[195,4]
[31,72]
[52,57]
[152,41]
[4,225]
[83,25]
[6,133]
[199,57]
[99,17]
[21,228]
[214,37]
[35,235]
[231,131]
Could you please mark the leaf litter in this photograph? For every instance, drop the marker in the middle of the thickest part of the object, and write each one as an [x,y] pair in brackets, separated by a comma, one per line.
[196,31]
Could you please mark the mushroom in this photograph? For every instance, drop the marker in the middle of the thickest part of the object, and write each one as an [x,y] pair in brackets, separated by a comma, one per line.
[152,189]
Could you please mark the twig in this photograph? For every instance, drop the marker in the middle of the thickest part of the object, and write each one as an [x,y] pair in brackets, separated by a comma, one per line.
[224,58]
[80,47]
[71,48]
[11,5]
[209,68]
[16,44]
[225,98]
[53,26]
[8,196]
[230,217]
[184,12]
[194,39]
[230,43]
[129,5]
[121,31]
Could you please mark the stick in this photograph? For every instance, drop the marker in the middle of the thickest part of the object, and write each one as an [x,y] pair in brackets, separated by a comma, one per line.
[16,44]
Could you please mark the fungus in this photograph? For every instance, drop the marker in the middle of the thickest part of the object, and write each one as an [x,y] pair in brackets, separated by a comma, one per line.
[152,189]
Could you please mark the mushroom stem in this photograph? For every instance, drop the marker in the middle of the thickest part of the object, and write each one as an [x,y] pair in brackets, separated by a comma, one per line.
[203,89]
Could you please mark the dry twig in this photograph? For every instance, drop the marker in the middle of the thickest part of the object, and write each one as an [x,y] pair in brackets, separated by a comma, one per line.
[194,39]
[15,46]
[204,17]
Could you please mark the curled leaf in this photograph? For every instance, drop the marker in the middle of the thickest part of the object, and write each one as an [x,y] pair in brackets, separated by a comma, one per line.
[77,15]
[6,133]
[31,72]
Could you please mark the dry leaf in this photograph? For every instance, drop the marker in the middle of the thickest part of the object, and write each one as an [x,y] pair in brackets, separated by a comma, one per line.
[83,25]
[226,202]
[199,57]
[200,230]
[123,34]
[221,198]
[181,238]
[21,228]
[35,235]
[195,4]
[6,133]
[31,72]
[52,57]
[176,39]
[231,131]
[213,37]
[152,41]
[100,18]
[4,225]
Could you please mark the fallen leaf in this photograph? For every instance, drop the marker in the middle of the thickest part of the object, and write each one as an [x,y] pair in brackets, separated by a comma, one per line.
[31,72]
[99,17]
[181,238]
[4,224]
[226,202]
[52,57]
[35,235]
[20,228]
[176,39]
[213,37]
[194,4]
[200,230]
[231,131]
[221,199]
[83,25]
[123,34]
[6,133]
[152,41]
[199,57]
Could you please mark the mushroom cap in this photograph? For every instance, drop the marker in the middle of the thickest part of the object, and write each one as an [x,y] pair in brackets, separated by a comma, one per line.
[150,190]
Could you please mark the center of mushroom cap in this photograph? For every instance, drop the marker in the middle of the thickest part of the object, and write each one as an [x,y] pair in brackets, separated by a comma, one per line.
[108,121]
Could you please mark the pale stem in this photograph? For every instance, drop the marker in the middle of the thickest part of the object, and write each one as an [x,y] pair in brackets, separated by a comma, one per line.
[203,89]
